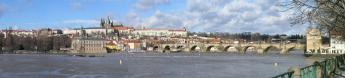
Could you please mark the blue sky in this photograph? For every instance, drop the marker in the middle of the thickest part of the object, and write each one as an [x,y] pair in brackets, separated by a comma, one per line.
[196,15]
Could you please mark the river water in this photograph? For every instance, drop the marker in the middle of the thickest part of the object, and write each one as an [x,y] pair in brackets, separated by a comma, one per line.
[150,65]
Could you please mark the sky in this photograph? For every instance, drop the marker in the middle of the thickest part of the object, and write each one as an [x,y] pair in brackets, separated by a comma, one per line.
[234,16]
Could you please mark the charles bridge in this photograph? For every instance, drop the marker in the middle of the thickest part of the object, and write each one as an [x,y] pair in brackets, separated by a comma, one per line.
[225,47]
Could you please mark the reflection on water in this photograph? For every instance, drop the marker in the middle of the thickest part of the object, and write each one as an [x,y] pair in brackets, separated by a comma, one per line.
[178,65]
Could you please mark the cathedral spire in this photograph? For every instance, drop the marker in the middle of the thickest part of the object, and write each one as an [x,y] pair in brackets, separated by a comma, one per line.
[109,20]
[102,23]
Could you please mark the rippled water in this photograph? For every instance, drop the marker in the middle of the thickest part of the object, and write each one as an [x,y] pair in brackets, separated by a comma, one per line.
[177,65]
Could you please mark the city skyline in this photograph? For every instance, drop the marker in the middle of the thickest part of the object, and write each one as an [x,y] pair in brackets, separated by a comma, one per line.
[232,16]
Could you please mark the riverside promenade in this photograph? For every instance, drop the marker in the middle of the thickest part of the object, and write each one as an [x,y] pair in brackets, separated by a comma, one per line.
[333,67]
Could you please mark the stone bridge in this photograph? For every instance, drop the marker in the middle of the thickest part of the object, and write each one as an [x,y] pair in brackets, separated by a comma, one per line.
[221,47]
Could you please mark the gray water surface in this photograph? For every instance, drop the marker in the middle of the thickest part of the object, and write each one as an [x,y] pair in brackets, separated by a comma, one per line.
[184,65]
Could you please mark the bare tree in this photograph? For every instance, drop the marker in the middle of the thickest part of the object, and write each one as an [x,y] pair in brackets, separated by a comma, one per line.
[328,15]
[1,42]
[8,42]
[61,41]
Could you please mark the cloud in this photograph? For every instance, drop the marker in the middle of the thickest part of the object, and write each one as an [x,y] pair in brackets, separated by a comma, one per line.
[160,20]
[133,19]
[226,16]
[149,4]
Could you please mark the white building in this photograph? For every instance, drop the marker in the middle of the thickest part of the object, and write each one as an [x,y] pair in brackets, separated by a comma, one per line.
[160,32]
[337,44]
[314,43]
[91,30]
[17,32]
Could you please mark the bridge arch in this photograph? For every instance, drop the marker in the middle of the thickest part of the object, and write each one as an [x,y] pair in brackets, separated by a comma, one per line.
[266,49]
[245,48]
[195,48]
[166,49]
[210,48]
[290,49]
[180,47]
[227,48]
[155,48]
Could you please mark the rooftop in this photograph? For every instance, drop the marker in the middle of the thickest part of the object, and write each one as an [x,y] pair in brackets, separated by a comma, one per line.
[183,29]
[121,28]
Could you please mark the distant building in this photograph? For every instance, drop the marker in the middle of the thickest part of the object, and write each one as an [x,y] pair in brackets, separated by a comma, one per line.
[123,29]
[89,30]
[17,32]
[45,32]
[133,44]
[123,32]
[160,32]
[314,41]
[70,31]
[337,45]
[88,45]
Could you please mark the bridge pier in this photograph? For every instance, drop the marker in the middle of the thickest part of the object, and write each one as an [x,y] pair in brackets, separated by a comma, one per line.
[284,51]
[186,50]
[260,51]
[242,50]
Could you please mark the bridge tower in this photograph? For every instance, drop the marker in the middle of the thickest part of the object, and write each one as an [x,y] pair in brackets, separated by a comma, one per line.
[313,39]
